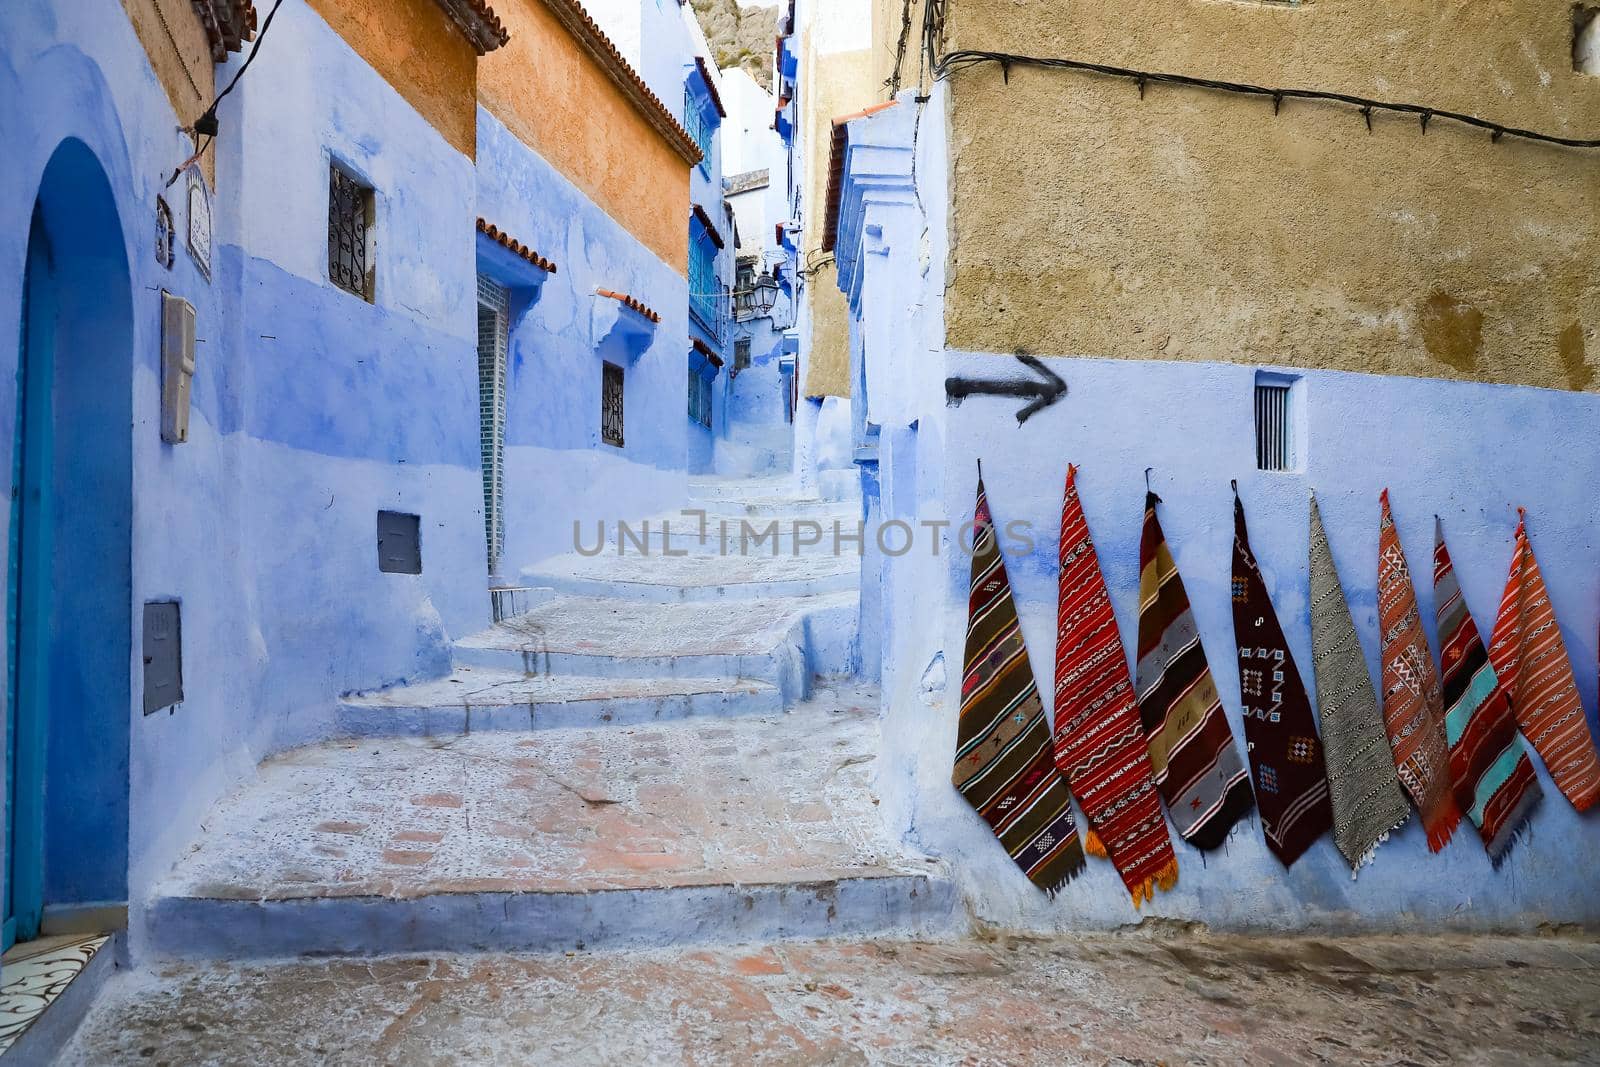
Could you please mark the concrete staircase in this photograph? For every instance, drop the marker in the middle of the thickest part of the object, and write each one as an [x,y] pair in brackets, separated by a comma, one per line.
[646,757]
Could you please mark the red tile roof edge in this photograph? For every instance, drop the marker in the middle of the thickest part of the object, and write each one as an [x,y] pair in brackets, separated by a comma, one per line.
[478,23]
[228,25]
[630,303]
[711,230]
[594,41]
[511,244]
[711,85]
[841,134]
[706,350]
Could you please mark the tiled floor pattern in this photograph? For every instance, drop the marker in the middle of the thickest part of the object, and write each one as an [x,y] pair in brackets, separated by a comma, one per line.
[1117,999]
[34,973]
[758,800]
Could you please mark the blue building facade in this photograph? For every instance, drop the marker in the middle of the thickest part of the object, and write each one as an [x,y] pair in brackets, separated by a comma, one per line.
[1192,424]
[343,494]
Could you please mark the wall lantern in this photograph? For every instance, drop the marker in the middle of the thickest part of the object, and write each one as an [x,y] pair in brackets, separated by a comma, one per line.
[766,293]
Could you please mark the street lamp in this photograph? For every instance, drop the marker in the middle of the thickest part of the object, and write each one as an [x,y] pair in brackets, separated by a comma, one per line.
[766,294]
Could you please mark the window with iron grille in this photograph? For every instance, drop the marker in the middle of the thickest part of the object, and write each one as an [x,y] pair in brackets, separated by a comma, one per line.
[702,277]
[350,216]
[611,404]
[741,354]
[699,398]
[744,290]
[698,126]
[1274,425]
[494,316]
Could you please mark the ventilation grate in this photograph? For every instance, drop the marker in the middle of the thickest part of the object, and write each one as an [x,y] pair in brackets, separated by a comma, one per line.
[1274,432]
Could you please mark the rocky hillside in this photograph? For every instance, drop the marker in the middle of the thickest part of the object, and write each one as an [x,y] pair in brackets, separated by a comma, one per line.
[740,37]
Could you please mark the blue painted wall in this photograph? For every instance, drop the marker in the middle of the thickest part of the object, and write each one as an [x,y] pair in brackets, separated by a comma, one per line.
[557,469]
[1469,452]
[313,409]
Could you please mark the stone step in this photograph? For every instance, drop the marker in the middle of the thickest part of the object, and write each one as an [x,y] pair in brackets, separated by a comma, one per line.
[668,579]
[728,535]
[668,834]
[472,700]
[781,641]
[783,508]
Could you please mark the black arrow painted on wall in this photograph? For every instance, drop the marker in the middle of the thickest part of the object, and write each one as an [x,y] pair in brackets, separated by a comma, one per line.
[1045,390]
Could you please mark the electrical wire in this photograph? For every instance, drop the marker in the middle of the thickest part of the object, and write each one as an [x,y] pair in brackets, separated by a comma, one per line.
[209,115]
[964,59]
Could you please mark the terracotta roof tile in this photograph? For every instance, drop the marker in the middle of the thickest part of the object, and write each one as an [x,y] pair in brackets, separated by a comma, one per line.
[841,133]
[228,25]
[630,303]
[505,240]
[478,23]
[711,85]
[711,230]
[594,40]
[707,351]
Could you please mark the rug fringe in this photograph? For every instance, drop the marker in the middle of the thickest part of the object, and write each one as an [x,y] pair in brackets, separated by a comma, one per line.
[1523,826]
[1444,827]
[1094,846]
[1164,879]
[1075,867]
[1372,850]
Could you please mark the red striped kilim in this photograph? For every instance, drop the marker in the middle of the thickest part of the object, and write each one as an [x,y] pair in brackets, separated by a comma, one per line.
[1531,661]
[1494,779]
[1003,763]
[1196,765]
[1413,705]
[1099,741]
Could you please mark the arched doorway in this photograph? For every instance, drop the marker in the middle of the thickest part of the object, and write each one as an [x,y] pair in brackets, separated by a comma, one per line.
[69,580]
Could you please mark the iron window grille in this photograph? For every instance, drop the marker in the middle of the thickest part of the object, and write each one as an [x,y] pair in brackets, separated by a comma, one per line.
[698,126]
[704,289]
[350,217]
[741,354]
[494,314]
[1274,431]
[699,398]
[744,291]
[611,404]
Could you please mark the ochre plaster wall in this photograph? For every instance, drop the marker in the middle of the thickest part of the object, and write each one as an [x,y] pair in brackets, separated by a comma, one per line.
[1195,225]
[420,52]
[558,100]
[838,83]
[173,38]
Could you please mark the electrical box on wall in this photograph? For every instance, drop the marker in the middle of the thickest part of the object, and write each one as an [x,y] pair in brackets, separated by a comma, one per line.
[163,655]
[399,543]
[177,366]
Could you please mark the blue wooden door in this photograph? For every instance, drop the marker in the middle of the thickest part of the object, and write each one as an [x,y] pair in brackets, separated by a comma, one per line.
[28,602]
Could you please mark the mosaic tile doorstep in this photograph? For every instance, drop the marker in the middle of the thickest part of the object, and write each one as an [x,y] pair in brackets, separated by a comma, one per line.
[34,973]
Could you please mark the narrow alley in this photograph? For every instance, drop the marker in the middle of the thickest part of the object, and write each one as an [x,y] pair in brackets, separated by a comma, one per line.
[910,533]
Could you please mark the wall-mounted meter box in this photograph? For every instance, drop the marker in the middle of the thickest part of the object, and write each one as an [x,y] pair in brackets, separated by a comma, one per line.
[177,366]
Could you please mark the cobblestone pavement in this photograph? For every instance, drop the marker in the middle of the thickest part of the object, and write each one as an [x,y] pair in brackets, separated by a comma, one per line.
[1159,995]
[750,800]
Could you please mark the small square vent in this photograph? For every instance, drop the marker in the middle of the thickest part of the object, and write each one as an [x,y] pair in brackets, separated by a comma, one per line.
[399,543]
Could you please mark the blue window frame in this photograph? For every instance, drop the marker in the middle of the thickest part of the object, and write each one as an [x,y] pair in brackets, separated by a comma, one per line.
[702,276]
[700,127]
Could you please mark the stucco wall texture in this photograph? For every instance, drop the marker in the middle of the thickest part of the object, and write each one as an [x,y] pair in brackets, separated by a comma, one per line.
[420,52]
[180,55]
[1195,225]
[556,99]
[837,84]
